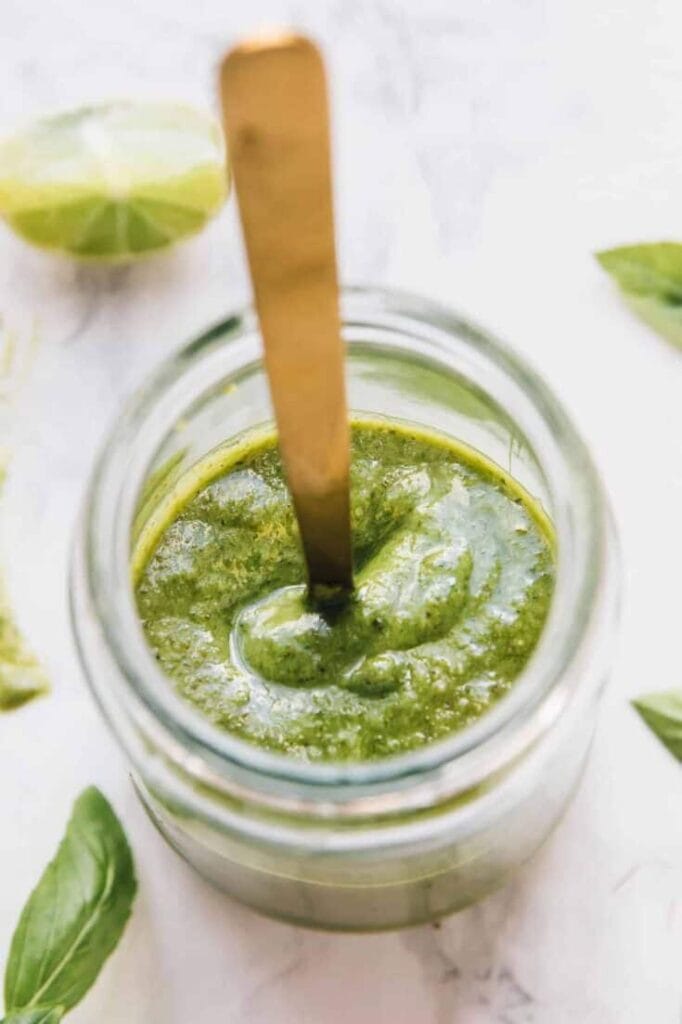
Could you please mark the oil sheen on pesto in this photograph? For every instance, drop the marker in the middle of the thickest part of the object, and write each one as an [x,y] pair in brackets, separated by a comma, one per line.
[454,574]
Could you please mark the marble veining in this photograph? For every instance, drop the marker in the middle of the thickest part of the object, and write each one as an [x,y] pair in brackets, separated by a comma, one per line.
[483,150]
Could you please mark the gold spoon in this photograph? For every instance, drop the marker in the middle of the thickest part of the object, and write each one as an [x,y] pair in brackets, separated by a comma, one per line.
[276,120]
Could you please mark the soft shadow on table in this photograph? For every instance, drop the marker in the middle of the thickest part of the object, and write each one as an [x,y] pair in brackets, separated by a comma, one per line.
[494,963]
[192,953]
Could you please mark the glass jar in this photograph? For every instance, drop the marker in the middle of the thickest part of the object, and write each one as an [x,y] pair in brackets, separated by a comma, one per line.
[362,845]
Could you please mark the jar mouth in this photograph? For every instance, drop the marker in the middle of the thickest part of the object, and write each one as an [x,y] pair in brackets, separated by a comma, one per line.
[579,515]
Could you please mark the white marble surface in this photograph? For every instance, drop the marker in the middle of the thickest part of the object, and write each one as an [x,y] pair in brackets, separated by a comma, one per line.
[484,150]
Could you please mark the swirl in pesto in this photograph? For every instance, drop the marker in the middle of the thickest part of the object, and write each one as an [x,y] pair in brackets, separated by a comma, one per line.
[454,576]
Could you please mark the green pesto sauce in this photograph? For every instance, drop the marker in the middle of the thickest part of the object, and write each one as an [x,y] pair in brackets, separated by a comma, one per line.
[454,575]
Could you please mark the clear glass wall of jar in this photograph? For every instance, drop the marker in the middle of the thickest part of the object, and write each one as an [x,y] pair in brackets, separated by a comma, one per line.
[392,842]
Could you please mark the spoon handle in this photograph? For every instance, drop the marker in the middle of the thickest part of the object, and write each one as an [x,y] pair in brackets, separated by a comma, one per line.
[276,119]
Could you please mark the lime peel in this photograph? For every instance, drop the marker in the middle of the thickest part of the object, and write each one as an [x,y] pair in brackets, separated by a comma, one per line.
[114,182]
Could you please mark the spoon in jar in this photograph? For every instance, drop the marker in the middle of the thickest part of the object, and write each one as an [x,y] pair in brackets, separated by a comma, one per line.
[276,120]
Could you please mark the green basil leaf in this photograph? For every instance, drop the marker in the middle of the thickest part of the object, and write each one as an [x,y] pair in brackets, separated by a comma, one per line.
[650,276]
[76,914]
[39,1015]
[662,712]
[21,677]
[18,686]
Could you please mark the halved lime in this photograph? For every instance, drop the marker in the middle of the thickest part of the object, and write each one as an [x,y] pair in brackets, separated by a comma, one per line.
[113,182]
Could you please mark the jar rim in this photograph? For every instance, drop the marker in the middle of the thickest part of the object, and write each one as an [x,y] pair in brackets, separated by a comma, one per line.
[511,725]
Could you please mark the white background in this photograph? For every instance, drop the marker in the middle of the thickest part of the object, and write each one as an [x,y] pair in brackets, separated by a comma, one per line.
[484,150]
